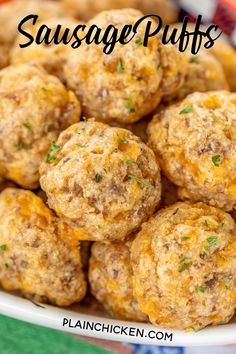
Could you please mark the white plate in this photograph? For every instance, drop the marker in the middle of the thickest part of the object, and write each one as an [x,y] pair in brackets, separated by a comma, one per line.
[50,316]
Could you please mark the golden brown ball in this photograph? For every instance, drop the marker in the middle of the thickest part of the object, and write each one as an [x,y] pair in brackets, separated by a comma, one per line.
[34,108]
[184,267]
[104,180]
[195,143]
[40,254]
[128,83]
[110,279]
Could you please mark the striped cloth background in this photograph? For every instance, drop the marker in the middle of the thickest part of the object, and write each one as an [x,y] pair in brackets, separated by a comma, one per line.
[221,12]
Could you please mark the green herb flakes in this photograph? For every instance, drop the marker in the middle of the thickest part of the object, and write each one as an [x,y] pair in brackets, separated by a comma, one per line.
[206,223]
[200,289]
[27,125]
[187,109]
[50,157]
[120,67]
[121,140]
[145,184]
[80,145]
[128,162]
[194,59]
[184,238]
[97,177]
[49,128]
[129,106]
[3,247]
[55,147]
[19,146]
[28,146]
[185,266]
[45,89]
[183,260]
[212,240]
[216,160]
[139,42]
[206,250]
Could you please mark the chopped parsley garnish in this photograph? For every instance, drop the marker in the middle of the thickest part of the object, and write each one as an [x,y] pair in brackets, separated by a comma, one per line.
[6,265]
[121,140]
[185,266]
[176,211]
[222,224]
[187,109]
[206,250]
[55,147]
[200,289]
[158,66]
[216,160]
[206,223]
[194,59]
[139,42]
[3,247]
[45,89]
[212,240]
[128,162]
[120,67]
[145,184]
[28,146]
[50,157]
[20,146]
[227,277]
[98,177]
[27,125]
[184,238]
[49,128]
[183,260]
[80,145]
[129,105]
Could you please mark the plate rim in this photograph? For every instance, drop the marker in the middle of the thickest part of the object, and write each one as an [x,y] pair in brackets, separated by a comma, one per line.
[52,317]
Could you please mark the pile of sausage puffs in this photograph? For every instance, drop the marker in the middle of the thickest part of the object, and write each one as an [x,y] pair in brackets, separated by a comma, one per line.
[118,172]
